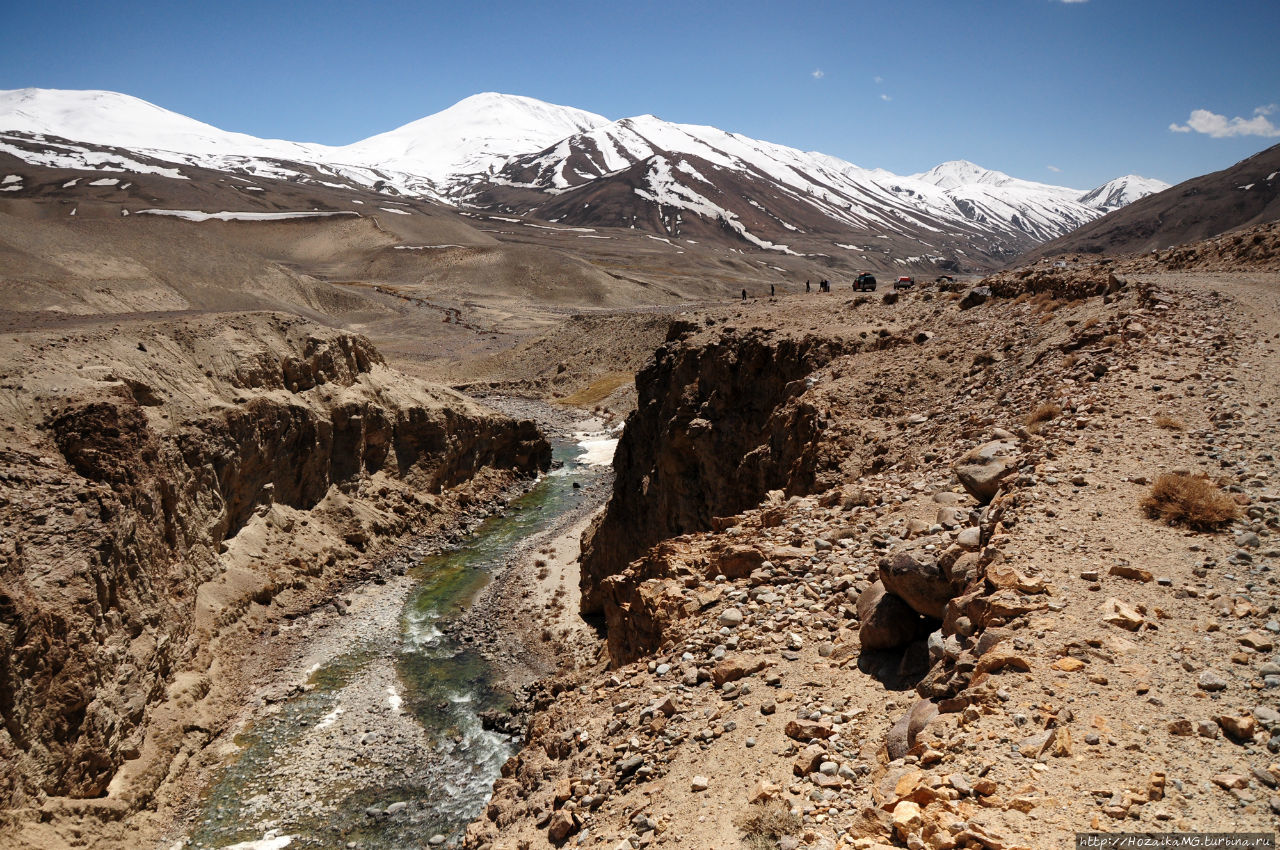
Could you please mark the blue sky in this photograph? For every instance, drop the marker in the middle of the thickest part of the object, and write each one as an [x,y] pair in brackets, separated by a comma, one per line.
[1072,93]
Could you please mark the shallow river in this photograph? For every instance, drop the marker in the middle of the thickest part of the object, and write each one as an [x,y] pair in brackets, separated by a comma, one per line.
[385,749]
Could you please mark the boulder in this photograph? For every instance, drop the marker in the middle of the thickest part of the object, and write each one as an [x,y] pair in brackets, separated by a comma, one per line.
[974,297]
[886,621]
[902,736]
[921,584]
[981,470]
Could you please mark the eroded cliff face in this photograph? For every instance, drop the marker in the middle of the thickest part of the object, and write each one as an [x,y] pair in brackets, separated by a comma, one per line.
[718,423]
[723,417]
[161,485]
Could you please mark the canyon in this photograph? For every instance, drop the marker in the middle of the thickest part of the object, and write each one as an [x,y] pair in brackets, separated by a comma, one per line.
[898,568]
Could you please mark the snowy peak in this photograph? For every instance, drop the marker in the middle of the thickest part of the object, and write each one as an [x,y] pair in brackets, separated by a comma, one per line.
[1121,192]
[961,172]
[471,136]
[120,120]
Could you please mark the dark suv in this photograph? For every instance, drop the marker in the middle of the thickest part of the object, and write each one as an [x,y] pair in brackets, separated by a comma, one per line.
[865,283]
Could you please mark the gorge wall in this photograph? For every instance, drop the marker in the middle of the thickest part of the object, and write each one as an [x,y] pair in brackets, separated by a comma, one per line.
[161,485]
[718,423]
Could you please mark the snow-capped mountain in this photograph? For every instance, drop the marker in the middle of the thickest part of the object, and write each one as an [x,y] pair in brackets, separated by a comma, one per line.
[120,120]
[510,154]
[470,137]
[1122,191]
[685,179]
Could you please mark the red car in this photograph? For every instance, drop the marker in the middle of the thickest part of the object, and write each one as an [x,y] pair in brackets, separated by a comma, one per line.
[904,282]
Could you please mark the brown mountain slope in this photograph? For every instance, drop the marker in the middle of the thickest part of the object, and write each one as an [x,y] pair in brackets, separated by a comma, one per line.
[1243,195]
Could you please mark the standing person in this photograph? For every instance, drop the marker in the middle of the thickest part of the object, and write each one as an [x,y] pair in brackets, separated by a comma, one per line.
[771,290]
[744,295]
[806,286]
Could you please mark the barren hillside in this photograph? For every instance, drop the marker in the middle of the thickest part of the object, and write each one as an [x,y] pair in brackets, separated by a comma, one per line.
[904,590]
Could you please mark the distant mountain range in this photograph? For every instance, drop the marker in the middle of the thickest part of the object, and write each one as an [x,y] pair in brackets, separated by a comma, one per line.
[515,155]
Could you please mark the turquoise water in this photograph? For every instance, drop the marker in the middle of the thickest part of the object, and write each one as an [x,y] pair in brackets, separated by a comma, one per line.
[441,684]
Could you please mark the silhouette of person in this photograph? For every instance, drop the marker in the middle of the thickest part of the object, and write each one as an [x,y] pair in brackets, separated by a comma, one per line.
[744,295]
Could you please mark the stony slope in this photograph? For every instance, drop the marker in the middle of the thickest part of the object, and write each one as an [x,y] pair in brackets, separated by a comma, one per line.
[1099,670]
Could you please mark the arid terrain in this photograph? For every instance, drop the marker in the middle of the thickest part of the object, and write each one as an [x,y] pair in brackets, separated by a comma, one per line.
[875,569]
[1087,666]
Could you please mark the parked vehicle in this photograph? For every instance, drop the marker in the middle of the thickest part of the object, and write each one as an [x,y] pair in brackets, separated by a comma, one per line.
[904,282]
[865,282]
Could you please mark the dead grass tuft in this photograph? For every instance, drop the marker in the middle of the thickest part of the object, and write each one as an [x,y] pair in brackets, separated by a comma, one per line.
[597,391]
[1045,412]
[1169,423]
[764,825]
[1189,500]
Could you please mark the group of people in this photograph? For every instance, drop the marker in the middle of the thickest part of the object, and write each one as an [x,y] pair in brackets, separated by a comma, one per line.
[824,285]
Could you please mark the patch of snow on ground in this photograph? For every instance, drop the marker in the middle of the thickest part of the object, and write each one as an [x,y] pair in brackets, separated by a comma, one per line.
[196,215]
[105,181]
[1246,187]
[16,188]
[65,156]
[393,698]
[12,178]
[71,183]
[397,212]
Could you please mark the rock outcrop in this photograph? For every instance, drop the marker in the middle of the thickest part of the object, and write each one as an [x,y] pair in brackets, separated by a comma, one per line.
[719,423]
[160,481]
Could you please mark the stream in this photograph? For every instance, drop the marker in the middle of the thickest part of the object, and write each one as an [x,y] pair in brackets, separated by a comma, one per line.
[384,746]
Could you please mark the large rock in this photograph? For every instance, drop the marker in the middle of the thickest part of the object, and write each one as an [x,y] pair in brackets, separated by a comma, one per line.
[921,584]
[886,621]
[982,470]
[902,736]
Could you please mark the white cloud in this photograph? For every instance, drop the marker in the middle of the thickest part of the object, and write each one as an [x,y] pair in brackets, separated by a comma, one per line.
[885,98]
[1055,169]
[878,80]
[1220,127]
[818,73]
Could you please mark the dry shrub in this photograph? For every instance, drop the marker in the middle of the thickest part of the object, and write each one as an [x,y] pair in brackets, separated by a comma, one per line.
[1169,423]
[1045,412]
[764,825]
[1189,500]
[1091,322]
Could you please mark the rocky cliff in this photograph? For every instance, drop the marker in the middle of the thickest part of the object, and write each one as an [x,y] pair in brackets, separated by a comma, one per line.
[718,423]
[723,417]
[162,485]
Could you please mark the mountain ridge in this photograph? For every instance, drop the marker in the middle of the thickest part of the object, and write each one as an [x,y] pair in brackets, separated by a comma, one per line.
[513,154]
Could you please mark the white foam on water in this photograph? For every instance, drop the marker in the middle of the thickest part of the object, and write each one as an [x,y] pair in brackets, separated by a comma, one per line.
[329,719]
[597,449]
[267,842]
